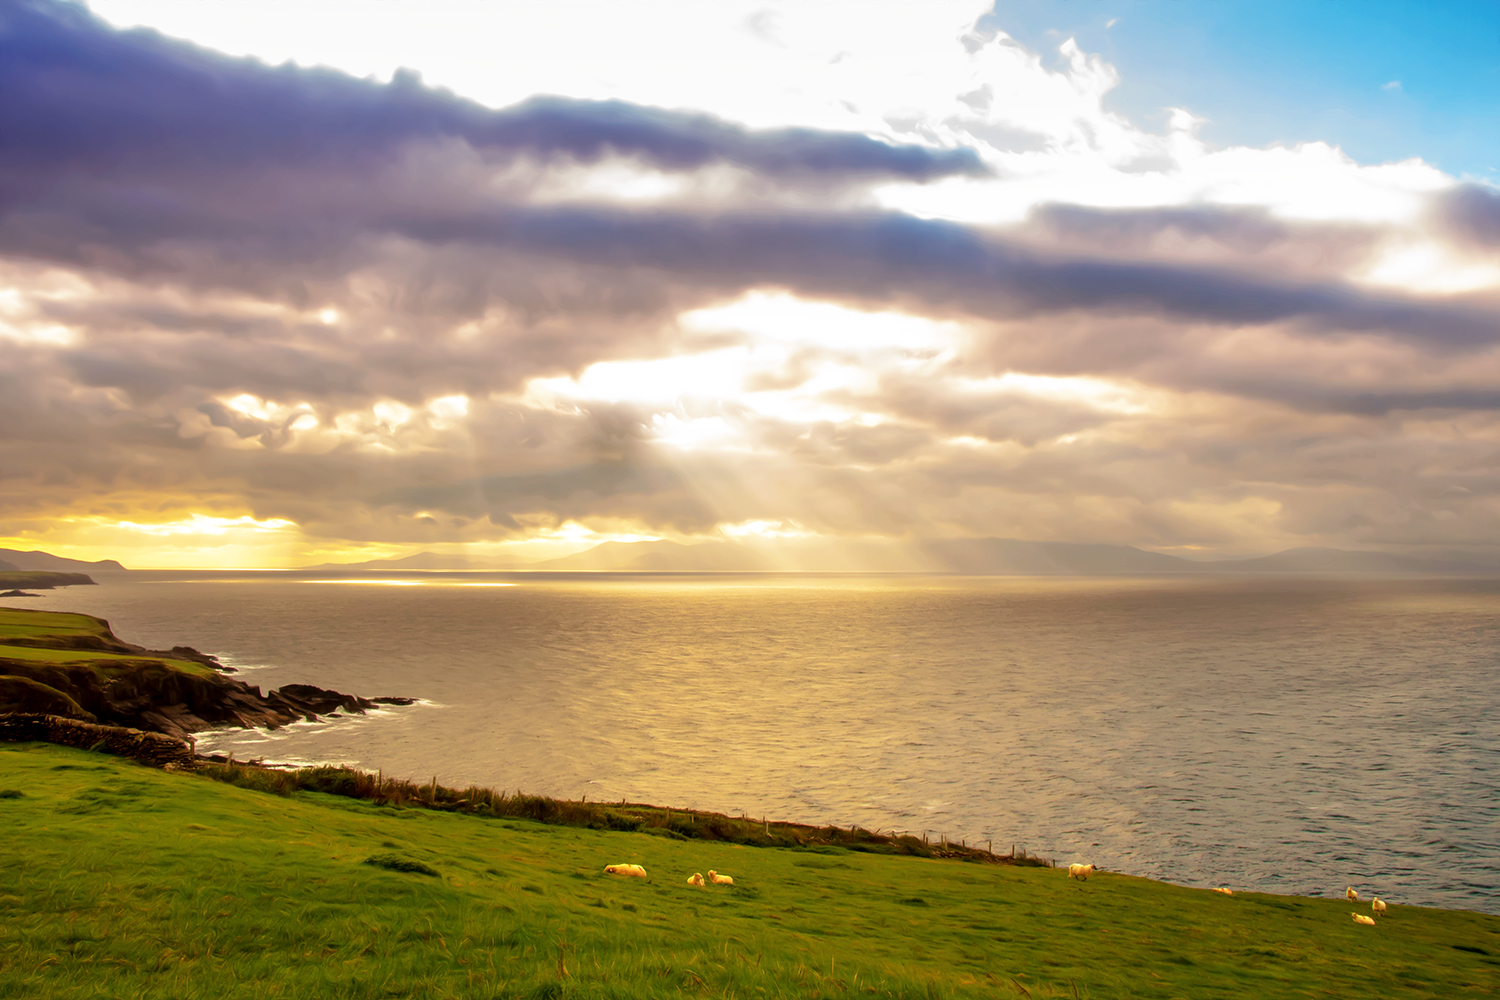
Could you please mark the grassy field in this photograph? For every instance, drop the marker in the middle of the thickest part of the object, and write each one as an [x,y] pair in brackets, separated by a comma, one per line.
[23,622]
[122,881]
[34,628]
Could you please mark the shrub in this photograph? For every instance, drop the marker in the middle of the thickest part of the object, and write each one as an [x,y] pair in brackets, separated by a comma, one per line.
[399,863]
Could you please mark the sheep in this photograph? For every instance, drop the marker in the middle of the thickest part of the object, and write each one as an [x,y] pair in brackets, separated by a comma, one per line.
[1360,918]
[1225,891]
[1351,895]
[695,879]
[718,879]
[1080,872]
[1378,905]
[633,871]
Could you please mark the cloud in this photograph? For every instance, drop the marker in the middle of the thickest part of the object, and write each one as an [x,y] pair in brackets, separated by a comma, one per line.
[1392,85]
[388,314]
[79,94]
[1472,212]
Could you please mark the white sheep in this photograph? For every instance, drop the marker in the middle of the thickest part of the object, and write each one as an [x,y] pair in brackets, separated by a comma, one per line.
[632,871]
[1351,895]
[1224,890]
[1360,918]
[695,879]
[718,879]
[1378,905]
[1080,872]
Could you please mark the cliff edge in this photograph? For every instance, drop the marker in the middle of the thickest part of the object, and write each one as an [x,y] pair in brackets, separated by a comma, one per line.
[75,667]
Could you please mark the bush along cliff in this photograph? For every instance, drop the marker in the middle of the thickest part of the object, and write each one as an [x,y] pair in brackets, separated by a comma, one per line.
[72,666]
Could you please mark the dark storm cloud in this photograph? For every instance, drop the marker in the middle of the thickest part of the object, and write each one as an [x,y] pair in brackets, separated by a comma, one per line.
[1473,211]
[131,152]
[550,488]
[1371,401]
[1246,230]
[883,257]
[81,96]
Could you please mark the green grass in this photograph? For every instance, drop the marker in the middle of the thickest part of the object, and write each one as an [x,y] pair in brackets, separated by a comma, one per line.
[120,881]
[15,622]
[35,628]
[101,661]
[634,817]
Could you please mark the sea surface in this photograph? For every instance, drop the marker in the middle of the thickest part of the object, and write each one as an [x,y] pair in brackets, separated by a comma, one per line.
[1291,736]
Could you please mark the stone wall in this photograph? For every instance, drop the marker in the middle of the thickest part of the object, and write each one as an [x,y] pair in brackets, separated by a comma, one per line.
[156,749]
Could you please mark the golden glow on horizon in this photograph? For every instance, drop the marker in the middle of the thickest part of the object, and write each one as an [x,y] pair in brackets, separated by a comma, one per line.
[190,540]
[365,582]
[572,531]
[200,524]
[764,529]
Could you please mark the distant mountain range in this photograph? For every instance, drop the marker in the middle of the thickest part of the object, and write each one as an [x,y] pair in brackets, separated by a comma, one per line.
[969,556]
[14,559]
[421,561]
[980,556]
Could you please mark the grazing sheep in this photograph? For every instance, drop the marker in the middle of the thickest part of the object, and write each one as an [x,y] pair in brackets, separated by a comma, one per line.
[633,871]
[695,879]
[1378,905]
[1351,895]
[1080,872]
[1225,891]
[1360,918]
[718,879]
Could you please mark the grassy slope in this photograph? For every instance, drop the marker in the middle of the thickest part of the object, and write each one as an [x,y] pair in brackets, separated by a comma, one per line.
[42,625]
[38,624]
[121,881]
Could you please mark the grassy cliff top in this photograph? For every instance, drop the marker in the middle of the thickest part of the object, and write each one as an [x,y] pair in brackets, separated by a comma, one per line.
[123,881]
[26,623]
[67,638]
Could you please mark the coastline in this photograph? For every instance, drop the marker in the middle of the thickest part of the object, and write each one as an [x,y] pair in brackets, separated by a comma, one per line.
[146,705]
[1003,808]
[73,666]
[232,891]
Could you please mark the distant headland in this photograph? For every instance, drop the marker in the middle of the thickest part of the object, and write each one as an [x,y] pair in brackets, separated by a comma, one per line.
[956,556]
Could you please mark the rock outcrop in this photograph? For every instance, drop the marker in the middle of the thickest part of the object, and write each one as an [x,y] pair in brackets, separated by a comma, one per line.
[177,692]
[150,694]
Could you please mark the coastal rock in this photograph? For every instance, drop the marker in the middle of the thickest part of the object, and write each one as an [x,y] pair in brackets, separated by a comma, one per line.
[207,659]
[145,689]
[23,694]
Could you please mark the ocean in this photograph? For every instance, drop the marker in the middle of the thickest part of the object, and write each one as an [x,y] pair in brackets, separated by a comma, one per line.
[1281,735]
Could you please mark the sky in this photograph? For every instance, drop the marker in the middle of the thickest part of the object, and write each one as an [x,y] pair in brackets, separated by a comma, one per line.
[291,283]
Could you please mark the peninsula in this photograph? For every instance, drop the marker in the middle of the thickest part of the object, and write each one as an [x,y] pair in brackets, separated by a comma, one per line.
[73,666]
[16,579]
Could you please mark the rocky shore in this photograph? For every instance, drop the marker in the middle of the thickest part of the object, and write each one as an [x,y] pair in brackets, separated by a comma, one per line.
[46,668]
